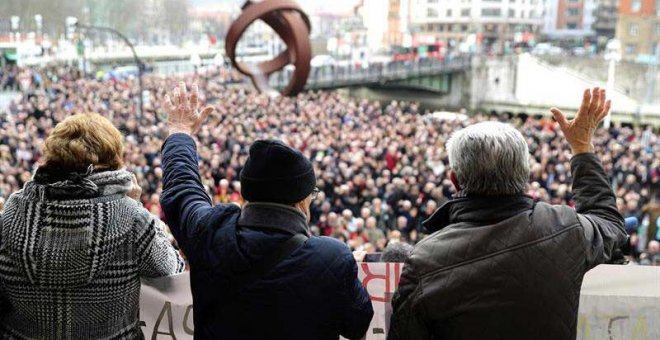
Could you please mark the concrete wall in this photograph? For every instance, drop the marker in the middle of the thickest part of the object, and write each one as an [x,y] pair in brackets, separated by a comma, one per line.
[526,84]
[522,84]
[630,78]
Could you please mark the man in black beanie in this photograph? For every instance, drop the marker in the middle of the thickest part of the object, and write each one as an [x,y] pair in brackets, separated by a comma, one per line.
[257,273]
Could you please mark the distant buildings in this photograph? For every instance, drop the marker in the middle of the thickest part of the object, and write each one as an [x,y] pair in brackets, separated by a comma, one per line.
[605,16]
[569,19]
[474,25]
[638,28]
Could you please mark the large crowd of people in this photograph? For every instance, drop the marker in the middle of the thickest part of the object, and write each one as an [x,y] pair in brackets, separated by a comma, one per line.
[381,168]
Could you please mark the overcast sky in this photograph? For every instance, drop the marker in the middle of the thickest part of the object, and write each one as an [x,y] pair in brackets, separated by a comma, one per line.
[332,6]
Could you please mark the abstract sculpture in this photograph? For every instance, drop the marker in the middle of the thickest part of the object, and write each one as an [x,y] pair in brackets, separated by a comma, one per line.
[288,20]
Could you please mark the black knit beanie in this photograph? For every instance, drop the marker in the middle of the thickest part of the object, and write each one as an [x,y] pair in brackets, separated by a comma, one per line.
[276,173]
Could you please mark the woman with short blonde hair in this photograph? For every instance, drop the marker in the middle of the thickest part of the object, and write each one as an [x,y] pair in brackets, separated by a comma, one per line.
[75,241]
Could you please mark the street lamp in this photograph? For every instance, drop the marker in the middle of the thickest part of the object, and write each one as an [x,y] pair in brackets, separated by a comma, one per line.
[612,55]
[15,22]
[38,19]
[138,62]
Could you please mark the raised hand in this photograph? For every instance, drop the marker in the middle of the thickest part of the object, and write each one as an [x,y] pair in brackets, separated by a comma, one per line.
[579,130]
[136,191]
[183,113]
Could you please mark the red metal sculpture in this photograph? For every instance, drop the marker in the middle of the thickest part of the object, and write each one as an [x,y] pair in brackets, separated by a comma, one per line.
[288,20]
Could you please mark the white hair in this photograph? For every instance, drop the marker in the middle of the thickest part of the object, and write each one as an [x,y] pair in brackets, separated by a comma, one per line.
[489,158]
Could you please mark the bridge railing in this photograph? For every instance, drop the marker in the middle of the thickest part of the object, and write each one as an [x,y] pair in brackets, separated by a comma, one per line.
[338,76]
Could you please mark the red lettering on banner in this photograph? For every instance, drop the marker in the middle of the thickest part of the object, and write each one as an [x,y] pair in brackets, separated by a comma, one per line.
[371,276]
[391,275]
[397,275]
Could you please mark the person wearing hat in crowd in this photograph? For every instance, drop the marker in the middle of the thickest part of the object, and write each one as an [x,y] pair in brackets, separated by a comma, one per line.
[256,272]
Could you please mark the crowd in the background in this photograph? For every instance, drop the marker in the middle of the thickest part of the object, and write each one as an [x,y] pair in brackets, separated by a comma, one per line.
[381,168]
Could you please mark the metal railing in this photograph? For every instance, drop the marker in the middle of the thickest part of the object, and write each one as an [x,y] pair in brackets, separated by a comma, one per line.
[339,76]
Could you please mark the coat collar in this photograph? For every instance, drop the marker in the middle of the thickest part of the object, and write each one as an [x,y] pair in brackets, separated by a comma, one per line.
[275,216]
[55,184]
[478,209]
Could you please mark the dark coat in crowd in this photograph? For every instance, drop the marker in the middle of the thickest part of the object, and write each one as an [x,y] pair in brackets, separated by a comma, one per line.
[312,294]
[508,267]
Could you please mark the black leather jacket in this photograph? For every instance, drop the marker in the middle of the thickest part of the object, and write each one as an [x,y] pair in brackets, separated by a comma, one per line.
[508,267]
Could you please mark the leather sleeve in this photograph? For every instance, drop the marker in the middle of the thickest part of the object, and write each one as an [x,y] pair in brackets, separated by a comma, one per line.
[595,204]
[406,321]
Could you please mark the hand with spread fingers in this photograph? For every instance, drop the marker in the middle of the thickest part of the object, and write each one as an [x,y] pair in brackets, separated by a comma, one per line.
[183,112]
[579,130]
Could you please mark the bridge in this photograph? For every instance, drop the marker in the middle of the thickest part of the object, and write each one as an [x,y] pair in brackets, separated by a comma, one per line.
[513,84]
[426,75]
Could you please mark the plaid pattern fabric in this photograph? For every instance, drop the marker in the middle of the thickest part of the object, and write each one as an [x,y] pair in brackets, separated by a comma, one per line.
[70,268]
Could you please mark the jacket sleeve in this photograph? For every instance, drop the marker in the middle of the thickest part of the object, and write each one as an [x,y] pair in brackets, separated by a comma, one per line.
[357,318]
[184,201]
[595,204]
[406,321]
[156,255]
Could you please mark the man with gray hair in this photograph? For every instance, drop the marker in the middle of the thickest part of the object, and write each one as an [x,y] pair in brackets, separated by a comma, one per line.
[499,265]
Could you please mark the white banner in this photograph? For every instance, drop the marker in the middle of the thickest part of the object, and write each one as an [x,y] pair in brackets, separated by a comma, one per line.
[616,302]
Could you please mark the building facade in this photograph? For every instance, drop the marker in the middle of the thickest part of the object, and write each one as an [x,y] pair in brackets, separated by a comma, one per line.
[638,28]
[398,22]
[569,19]
[477,25]
[605,18]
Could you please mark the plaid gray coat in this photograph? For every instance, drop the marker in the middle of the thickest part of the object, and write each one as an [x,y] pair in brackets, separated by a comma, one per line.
[72,251]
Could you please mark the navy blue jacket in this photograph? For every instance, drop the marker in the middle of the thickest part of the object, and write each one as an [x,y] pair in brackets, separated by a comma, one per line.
[312,294]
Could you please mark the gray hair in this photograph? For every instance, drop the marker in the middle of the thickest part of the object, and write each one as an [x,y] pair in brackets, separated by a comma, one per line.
[396,252]
[489,158]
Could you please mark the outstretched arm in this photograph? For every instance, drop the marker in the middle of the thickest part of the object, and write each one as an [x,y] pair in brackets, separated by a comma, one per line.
[594,198]
[185,203]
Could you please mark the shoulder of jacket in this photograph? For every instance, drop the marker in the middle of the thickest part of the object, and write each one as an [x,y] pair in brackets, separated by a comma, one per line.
[329,251]
[556,216]
[329,245]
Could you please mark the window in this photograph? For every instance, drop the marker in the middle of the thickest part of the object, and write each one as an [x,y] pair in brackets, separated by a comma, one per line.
[657,29]
[633,30]
[636,5]
[631,48]
[571,25]
[492,0]
[432,1]
[512,13]
[464,28]
[465,12]
[431,12]
[532,14]
[657,8]
[449,13]
[572,12]
[491,12]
